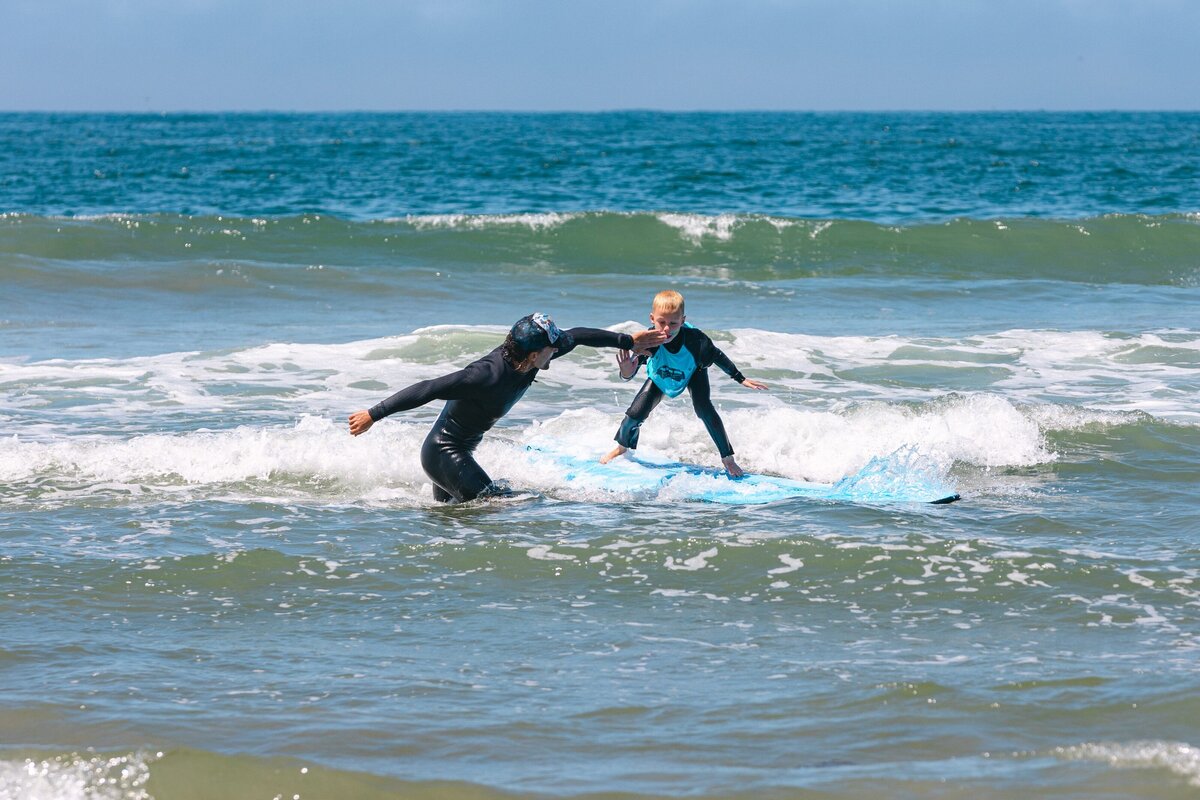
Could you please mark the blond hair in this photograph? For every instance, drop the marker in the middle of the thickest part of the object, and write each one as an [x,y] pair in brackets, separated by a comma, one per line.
[667,301]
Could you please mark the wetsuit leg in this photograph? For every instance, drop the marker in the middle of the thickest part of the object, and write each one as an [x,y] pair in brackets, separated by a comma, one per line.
[698,388]
[645,402]
[447,460]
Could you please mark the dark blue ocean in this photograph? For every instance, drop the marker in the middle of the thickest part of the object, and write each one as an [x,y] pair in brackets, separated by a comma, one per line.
[208,588]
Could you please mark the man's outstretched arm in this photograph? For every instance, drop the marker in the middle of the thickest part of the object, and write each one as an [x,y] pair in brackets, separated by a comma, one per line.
[454,386]
[598,337]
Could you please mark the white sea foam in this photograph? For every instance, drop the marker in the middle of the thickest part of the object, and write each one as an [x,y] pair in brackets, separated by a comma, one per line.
[693,564]
[697,226]
[1059,380]
[316,459]
[230,417]
[534,222]
[1177,757]
[313,459]
[76,777]
[111,217]
[1086,371]
[545,553]
[722,227]
[819,446]
[791,564]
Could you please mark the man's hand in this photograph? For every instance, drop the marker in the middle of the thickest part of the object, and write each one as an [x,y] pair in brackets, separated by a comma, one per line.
[627,362]
[360,422]
[644,340]
[732,467]
[750,383]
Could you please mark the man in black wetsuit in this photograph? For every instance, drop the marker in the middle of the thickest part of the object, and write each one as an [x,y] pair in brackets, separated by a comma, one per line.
[484,391]
[680,363]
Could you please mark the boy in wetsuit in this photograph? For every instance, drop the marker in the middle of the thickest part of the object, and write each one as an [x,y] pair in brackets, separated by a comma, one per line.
[484,391]
[681,362]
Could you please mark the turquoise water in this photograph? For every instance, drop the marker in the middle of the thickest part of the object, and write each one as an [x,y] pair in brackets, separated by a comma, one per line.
[209,589]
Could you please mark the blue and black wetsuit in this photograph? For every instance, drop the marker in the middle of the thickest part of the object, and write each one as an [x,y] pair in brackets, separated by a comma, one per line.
[681,363]
[477,397]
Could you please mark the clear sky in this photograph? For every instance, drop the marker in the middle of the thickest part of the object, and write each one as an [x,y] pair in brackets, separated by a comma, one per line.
[171,55]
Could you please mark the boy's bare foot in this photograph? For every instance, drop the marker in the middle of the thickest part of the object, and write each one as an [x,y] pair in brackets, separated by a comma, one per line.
[616,451]
[732,467]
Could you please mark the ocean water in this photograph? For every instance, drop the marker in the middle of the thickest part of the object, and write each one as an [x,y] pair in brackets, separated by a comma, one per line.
[209,589]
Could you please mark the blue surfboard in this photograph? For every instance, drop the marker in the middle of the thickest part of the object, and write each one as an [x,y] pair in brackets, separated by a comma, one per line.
[884,480]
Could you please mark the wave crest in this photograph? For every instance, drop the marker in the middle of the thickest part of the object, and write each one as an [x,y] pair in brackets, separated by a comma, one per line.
[1138,249]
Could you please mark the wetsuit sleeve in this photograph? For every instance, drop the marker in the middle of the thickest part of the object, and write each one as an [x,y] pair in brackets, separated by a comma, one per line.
[727,366]
[596,337]
[711,354]
[455,386]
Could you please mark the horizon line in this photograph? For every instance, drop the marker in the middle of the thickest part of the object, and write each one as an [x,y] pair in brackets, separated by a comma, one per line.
[600,111]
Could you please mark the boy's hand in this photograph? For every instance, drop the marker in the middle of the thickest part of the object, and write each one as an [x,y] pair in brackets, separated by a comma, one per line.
[644,340]
[750,383]
[360,421]
[627,362]
[732,467]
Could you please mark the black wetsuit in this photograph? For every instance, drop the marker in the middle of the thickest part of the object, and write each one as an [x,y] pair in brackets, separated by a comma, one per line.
[705,354]
[477,397]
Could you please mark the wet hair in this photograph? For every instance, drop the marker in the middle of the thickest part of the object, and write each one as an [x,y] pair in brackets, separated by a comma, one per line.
[513,353]
[668,301]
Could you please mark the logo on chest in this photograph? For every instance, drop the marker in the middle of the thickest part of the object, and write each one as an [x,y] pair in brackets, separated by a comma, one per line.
[669,373]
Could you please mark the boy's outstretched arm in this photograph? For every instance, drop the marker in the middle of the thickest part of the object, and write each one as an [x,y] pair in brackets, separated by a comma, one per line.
[727,366]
